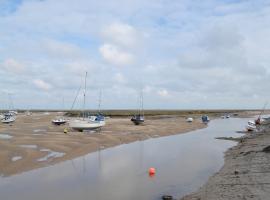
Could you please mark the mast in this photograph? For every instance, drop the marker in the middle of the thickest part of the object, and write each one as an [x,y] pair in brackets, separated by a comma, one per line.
[99,101]
[84,95]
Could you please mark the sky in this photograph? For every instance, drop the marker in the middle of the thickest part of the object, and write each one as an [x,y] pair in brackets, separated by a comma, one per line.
[211,54]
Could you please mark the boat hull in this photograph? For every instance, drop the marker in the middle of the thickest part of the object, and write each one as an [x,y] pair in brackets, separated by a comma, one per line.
[81,125]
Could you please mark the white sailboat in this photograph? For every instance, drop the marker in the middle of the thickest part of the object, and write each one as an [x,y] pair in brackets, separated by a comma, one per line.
[8,118]
[86,123]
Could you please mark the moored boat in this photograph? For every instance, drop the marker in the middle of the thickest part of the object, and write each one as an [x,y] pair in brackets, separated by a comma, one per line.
[137,119]
[59,121]
[190,119]
[205,119]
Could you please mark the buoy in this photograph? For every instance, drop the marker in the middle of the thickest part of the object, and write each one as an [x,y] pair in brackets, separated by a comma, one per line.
[65,130]
[152,171]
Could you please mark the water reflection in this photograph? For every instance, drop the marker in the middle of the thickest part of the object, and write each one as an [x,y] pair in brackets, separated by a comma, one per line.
[183,163]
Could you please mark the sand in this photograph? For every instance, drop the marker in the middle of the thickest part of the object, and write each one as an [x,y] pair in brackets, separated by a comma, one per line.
[35,142]
[245,174]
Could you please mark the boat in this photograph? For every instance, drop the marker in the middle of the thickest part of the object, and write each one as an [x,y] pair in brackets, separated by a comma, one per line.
[250,127]
[252,123]
[205,119]
[190,119]
[138,119]
[86,123]
[2,116]
[59,121]
[8,119]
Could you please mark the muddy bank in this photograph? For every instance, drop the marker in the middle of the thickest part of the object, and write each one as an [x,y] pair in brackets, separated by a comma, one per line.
[245,174]
[33,142]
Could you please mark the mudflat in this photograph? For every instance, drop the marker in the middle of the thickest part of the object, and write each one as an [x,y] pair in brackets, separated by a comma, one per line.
[33,141]
[245,174]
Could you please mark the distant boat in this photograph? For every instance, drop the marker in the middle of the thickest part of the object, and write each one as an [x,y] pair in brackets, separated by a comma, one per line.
[59,121]
[138,119]
[86,123]
[205,119]
[190,119]
[250,127]
[8,118]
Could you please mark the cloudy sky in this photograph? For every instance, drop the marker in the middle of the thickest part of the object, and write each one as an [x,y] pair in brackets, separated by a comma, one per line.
[183,54]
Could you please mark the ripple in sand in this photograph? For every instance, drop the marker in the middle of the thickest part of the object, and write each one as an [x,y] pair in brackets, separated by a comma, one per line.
[29,146]
[15,158]
[39,130]
[51,155]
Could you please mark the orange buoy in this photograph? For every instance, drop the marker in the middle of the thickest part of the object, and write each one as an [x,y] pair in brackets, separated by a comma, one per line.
[152,171]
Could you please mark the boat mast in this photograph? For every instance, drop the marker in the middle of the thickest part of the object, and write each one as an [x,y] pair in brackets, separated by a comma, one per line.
[142,104]
[84,95]
[99,101]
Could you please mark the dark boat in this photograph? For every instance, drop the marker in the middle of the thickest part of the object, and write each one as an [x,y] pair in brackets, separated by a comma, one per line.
[137,119]
[205,119]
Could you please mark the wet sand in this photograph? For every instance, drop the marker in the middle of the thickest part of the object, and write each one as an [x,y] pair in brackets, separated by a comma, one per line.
[245,174]
[35,142]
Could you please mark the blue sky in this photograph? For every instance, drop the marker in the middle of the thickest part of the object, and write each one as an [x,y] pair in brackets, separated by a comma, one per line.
[184,54]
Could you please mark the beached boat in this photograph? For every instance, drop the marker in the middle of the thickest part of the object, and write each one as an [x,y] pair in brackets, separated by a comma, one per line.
[250,127]
[59,121]
[8,119]
[205,119]
[190,119]
[138,119]
[86,123]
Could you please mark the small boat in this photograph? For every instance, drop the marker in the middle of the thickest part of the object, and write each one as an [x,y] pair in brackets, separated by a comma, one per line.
[8,119]
[137,119]
[252,123]
[205,119]
[251,127]
[190,119]
[227,116]
[59,121]
[265,121]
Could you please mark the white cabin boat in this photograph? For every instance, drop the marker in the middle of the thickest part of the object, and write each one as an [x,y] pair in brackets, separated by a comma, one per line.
[190,119]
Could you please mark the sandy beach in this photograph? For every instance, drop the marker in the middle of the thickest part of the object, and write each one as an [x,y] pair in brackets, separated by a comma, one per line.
[33,141]
[245,174]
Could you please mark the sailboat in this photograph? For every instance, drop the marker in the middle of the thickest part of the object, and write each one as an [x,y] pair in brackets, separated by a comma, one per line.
[139,118]
[59,120]
[8,118]
[86,123]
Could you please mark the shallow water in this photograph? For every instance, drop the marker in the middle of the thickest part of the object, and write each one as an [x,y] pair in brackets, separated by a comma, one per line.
[183,163]
[5,136]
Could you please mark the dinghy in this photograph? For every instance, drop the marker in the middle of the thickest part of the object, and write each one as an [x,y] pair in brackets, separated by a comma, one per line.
[190,119]
[59,121]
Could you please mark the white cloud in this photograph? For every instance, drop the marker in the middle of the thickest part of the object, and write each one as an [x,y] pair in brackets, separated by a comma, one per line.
[122,34]
[115,56]
[42,84]
[163,93]
[12,65]
[119,78]
[58,49]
